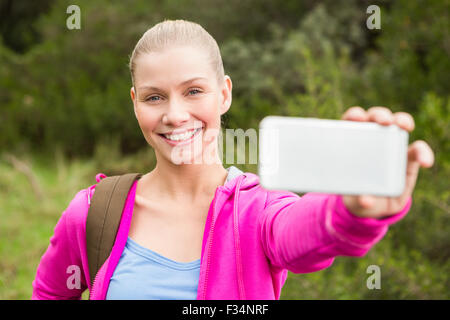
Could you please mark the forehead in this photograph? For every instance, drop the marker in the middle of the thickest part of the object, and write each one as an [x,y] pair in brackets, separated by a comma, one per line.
[172,66]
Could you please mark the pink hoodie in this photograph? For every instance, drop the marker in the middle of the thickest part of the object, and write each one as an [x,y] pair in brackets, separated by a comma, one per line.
[251,239]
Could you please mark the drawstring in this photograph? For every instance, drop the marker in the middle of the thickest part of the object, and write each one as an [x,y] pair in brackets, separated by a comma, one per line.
[98,177]
[236,240]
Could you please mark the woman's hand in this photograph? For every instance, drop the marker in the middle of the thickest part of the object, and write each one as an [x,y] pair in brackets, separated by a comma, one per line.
[419,155]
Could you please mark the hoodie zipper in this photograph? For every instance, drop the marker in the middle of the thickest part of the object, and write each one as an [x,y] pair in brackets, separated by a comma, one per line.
[93,291]
[238,259]
[91,294]
[100,275]
[237,242]
[211,232]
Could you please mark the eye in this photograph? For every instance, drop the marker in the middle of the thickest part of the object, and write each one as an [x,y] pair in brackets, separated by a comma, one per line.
[196,91]
[152,98]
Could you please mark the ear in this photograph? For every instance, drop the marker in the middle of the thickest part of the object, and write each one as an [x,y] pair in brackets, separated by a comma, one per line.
[133,98]
[226,96]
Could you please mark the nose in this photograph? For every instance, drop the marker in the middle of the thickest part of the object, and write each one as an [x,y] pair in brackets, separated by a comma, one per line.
[176,114]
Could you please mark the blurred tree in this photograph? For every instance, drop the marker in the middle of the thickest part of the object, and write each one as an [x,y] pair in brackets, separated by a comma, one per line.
[17,23]
[413,55]
[288,57]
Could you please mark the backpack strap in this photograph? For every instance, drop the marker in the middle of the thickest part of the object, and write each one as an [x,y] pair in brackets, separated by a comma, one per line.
[104,217]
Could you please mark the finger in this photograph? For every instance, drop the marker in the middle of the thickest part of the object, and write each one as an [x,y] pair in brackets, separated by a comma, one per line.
[380,115]
[355,113]
[419,154]
[366,201]
[404,120]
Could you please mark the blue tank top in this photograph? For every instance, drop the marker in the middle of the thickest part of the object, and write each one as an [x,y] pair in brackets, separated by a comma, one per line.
[143,274]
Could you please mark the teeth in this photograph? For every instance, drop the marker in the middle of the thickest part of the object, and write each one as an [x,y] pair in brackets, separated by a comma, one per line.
[183,136]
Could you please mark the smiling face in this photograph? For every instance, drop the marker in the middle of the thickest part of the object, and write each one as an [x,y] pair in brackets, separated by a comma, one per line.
[177,91]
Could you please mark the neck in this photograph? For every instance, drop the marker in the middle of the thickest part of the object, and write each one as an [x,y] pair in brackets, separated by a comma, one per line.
[187,182]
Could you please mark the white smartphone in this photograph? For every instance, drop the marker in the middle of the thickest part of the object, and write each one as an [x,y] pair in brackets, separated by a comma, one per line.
[332,156]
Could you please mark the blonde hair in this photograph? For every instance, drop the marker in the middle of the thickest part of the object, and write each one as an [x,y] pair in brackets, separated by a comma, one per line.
[171,33]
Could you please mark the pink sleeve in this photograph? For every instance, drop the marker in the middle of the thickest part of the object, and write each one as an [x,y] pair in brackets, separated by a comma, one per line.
[60,273]
[305,234]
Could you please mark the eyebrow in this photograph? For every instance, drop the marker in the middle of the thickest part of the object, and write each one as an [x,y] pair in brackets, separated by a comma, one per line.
[181,84]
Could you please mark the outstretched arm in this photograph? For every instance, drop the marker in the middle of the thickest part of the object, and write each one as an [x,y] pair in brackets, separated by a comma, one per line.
[306,234]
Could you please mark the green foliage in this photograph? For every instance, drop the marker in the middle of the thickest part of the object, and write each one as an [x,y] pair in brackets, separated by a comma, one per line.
[412,58]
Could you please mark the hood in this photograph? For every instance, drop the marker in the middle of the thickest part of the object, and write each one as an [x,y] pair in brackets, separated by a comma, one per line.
[245,180]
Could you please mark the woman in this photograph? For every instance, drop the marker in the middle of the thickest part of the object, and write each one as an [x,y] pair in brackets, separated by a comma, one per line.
[192,229]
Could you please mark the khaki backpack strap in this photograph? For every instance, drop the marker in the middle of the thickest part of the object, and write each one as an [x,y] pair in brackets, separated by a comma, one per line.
[104,217]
